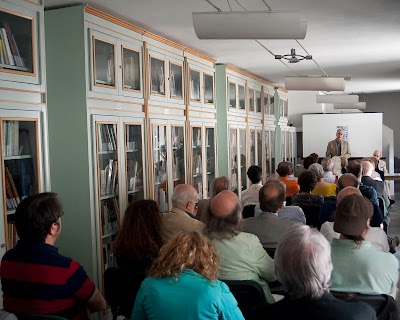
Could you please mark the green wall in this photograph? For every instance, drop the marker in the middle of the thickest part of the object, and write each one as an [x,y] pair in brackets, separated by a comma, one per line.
[222,119]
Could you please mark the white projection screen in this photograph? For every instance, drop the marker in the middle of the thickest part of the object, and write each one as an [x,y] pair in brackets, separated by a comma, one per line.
[364,132]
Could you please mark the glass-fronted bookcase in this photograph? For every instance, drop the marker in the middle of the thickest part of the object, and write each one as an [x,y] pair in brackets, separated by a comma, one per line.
[238,158]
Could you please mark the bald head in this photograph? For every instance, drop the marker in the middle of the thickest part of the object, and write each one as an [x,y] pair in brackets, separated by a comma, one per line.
[367,168]
[346,192]
[184,197]
[224,204]
[347,180]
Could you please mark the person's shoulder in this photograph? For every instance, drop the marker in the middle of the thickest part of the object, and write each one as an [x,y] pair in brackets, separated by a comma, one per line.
[352,310]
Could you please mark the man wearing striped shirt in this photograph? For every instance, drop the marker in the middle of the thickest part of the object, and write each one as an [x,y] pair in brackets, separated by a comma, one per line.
[35,278]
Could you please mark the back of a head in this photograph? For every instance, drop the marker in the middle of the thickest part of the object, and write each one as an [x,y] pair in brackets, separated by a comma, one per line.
[346,192]
[255,174]
[139,237]
[317,169]
[314,156]
[224,215]
[35,215]
[354,167]
[272,195]
[303,263]
[336,165]
[186,250]
[284,169]
[183,193]
[327,164]
[307,181]
[367,168]
[220,184]
[347,180]
[308,161]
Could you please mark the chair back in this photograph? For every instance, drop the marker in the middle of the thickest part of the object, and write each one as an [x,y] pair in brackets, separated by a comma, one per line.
[248,294]
[383,304]
[312,215]
[248,211]
[270,251]
[121,287]
[39,317]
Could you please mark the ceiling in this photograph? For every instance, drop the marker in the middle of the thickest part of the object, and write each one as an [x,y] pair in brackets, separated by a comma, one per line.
[353,38]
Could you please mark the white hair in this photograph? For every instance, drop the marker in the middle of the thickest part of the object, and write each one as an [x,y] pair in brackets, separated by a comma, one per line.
[183,193]
[317,169]
[327,164]
[303,262]
[339,130]
[367,168]
[337,165]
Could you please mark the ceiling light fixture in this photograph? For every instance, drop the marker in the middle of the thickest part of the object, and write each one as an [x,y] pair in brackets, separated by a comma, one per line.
[336,98]
[249,25]
[358,105]
[293,57]
[313,83]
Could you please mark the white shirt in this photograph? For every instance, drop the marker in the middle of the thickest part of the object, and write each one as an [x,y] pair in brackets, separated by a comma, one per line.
[375,235]
[329,177]
[251,195]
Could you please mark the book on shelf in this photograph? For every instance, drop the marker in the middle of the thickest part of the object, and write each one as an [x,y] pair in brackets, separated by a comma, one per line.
[19,61]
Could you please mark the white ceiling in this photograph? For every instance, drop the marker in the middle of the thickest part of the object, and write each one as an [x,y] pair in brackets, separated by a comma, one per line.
[355,38]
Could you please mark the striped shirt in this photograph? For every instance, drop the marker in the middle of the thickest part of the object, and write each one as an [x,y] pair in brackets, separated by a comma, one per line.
[36,279]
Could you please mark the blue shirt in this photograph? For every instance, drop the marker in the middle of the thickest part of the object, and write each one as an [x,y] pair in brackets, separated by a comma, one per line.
[190,297]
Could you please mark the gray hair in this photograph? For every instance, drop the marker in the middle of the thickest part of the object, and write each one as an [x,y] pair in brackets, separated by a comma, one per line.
[327,164]
[183,193]
[317,169]
[220,184]
[337,165]
[303,263]
[340,130]
[367,168]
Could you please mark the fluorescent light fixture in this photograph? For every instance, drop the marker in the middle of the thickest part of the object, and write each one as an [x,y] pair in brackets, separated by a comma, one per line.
[357,105]
[336,98]
[311,83]
[249,25]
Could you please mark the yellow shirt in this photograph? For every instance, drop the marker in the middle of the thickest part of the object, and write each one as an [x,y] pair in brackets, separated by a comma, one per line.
[328,191]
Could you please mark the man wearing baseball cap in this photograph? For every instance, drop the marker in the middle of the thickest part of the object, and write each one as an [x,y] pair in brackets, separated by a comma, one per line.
[357,266]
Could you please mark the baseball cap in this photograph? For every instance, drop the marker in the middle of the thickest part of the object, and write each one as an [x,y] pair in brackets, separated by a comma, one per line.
[352,215]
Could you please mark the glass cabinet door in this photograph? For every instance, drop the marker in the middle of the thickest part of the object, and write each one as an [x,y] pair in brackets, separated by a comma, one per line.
[197,163]
[107,171]
[232,95]
[241,97]
[131,73]
[208,88]
[104,63]
[211,162]
[178,159]
[194,80]
[233,161]
[176,91]
[20,168]
[272,143]
[157,80]
[134,162]
[17,43]
[259,148]
[160,166]
[252,147]
[243,163]
[251,100]
[258,101]
[267,153]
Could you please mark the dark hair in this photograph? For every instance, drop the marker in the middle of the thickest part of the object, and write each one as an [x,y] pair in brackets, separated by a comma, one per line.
[35,215]
[307,181]
[314,156]
[357,239]
[307,162]
[255,174]
[284,169]
[354,167]
[220,184]
[139,237]
[270,200]
[224,228]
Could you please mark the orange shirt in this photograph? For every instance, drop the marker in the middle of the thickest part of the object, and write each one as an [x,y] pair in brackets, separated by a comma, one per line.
[291,186]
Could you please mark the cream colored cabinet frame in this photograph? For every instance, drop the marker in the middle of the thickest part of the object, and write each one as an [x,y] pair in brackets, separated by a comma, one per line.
[237,154]
[16,73]
[202,72]
[241,96]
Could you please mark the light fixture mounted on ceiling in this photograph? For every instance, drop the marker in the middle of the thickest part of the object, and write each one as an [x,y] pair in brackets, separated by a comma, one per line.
[293,57]
[249,25]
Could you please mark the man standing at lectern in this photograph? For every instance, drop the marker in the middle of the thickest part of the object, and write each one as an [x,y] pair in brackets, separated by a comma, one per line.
[339,147]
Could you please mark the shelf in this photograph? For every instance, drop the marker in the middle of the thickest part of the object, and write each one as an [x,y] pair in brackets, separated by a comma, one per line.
[10,211]
[109,196]
[7,66]
[135,191]
[17,157]
[104,83]
[110,234]
[197,175]
[132,150]
[208,173]
[177,179]
[107,152]
[194,147]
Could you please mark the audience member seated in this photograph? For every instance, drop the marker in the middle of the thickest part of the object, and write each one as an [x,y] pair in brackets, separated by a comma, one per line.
[250,196]
[314,156]
[182,216]
[327,166]
[354,167]
[138,240]
[381,168]
[284,170]
[292,213]
[267,226]
[378,185]
[219,184]
[242,255]
[307,181]
[306,164]
[303,266]
[375,235]
[372,271]
[35,278]
[322,187]
[337,166]
[183,284]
